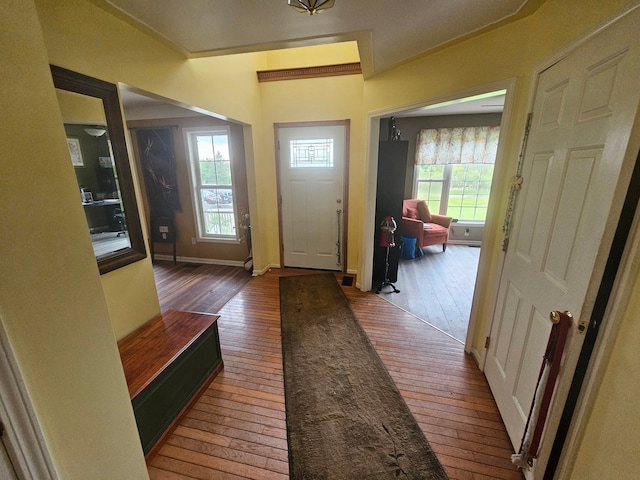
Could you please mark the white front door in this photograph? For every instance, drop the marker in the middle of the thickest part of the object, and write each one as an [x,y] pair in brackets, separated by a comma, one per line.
[576,172]
[311,162]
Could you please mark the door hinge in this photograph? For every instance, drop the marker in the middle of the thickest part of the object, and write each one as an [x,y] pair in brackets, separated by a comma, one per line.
[1,429]
[487,342]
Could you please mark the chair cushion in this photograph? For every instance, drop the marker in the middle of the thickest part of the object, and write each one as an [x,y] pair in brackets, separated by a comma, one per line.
[423,211]
[412,213]
[433,229]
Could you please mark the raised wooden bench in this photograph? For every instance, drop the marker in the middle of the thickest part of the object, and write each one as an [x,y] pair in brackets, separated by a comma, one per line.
[168,363]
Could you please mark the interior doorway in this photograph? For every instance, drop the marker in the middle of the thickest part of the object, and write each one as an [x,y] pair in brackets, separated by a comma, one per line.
[439,286]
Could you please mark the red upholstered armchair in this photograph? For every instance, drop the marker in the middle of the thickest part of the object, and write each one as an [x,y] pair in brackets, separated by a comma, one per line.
[427,227]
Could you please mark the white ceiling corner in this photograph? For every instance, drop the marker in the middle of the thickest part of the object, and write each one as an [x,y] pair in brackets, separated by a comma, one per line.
[398,30]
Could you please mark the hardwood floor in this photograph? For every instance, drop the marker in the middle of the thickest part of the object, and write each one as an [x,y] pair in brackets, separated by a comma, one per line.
[237,429]
[438,287]
[197,288]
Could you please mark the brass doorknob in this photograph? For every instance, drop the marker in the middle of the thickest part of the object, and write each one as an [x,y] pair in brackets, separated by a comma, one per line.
[555,316]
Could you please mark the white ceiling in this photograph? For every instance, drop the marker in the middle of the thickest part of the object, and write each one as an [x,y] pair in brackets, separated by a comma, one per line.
[388,32]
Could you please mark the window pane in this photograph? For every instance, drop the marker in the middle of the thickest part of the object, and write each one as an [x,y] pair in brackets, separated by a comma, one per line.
[213,156]
[430,185]
[207,173]
[311,153]
[431,172]
[212,147]
[223,172]
[212,183]
[431,192]
[469,191]
[217,208]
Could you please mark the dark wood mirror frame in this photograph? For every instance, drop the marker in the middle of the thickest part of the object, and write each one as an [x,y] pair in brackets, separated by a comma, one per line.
[107,92]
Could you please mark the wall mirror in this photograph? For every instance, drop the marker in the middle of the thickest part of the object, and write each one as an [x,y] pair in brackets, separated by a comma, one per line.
[98,153]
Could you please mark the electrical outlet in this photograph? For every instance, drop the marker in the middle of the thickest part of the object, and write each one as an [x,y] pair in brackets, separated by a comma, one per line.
[466,232]
[193,240]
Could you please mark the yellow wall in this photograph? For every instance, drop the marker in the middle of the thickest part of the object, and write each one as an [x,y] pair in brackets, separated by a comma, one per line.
[333,54]
[51,299]
[513,51]
[609,447]
[333,98]
[62,318]
[82,37]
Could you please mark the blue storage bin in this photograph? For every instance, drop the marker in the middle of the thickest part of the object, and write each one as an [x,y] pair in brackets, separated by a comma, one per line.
[408,251]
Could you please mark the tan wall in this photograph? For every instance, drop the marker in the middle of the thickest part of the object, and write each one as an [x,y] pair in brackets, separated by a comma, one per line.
[220,252]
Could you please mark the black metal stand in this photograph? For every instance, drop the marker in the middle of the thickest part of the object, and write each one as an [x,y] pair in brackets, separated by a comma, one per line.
[386,276]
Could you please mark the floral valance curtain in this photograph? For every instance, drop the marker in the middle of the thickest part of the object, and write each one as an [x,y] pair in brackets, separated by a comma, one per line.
[441,146]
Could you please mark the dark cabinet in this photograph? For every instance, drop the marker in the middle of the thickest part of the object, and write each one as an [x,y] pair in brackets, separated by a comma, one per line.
[392,169]
[168,362]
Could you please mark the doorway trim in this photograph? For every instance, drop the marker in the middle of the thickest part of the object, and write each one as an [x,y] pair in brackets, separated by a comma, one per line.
[494,216]
[345,181]
[23,438]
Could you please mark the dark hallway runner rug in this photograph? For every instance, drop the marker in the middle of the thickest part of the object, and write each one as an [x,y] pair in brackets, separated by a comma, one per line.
[345,417]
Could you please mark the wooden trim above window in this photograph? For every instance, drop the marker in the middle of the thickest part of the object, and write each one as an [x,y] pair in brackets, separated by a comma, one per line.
[309,72]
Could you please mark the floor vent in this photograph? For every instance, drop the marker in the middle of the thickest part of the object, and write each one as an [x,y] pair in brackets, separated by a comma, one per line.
[347,281]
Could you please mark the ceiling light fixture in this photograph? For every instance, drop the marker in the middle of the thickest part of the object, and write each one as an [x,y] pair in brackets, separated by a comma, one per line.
[311,6]
[95,132]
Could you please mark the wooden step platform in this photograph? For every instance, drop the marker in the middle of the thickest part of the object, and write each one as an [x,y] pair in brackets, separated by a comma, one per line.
[168,363]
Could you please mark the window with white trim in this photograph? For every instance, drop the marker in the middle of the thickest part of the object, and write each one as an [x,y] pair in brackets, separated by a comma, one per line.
[210,162]
[454,169]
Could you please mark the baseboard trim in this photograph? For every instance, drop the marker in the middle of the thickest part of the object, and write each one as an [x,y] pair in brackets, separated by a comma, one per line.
[478,357]
[471,243]
[257,273]
[275,265]
[204,261]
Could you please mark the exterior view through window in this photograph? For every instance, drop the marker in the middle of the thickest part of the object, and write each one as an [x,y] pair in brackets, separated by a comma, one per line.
[454,168]
[212,183]
[458,191]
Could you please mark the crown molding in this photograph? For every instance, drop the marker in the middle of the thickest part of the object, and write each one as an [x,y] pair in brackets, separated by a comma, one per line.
[309,72]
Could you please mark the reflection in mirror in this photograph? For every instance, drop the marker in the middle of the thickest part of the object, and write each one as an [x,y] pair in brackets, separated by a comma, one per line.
[97,149]
[92,159]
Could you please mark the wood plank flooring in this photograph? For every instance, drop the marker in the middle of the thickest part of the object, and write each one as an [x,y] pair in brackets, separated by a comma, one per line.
[237,429]
[438,287]
[197,288]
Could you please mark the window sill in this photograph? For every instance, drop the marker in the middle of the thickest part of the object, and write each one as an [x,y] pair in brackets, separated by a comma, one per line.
[218,240]
[473,223]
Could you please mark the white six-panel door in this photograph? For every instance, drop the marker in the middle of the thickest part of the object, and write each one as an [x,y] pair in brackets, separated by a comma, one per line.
[576,169]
